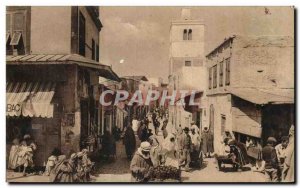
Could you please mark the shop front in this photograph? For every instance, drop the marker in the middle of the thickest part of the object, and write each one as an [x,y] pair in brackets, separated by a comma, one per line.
[31,109]
[259,114]
[52,98]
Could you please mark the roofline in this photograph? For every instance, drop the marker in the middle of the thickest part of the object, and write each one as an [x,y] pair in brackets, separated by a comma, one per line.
[225,40]
[68,60]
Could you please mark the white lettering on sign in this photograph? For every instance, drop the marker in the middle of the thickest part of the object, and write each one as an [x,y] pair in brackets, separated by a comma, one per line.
[13,107]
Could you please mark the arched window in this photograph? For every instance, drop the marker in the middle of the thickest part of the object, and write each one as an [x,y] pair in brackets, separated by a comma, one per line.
[185,34]
[190,34]
[211,117]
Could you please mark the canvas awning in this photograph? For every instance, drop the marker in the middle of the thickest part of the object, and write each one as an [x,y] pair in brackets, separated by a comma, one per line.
[265,96]
[246,123]
[30,99]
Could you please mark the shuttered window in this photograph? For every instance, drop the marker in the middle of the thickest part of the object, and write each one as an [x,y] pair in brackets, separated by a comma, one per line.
[81,34]
[93,50]
[215,76]
[15,32]
[210,78]
[97,53]
[16,37]
[221,74]
[227,79]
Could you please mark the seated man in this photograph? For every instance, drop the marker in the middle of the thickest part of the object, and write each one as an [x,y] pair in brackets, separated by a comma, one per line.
[223,153]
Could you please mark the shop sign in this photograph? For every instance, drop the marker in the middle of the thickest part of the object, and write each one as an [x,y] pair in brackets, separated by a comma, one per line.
[13,108]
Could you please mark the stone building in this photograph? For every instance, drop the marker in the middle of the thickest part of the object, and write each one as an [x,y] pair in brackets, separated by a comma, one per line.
[53,74]
[187,69]
[251,87]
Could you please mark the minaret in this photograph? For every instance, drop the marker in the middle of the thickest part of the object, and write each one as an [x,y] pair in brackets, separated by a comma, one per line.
[186,42]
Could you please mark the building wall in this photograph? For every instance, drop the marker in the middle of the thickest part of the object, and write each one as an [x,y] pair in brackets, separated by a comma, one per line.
[214,60]
[257,62]
[50,30]
[91,32]
[222,106]
[192,78]
[260,62]
[263,62]
[70,103]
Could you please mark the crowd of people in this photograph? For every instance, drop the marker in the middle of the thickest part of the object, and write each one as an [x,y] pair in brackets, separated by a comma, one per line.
[279,159]
[21,154]
[178,149]
[76,168]
[60,169]
[276,162]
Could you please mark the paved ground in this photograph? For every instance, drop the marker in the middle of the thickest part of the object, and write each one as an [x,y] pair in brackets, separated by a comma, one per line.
[118,171]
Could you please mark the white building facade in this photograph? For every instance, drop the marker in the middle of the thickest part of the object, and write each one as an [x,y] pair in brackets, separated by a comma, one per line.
[187,69]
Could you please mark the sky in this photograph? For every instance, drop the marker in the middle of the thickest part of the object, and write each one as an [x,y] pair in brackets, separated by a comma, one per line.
[139,36]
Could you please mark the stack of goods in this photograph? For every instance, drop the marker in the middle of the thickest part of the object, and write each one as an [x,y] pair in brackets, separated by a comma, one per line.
[166,173]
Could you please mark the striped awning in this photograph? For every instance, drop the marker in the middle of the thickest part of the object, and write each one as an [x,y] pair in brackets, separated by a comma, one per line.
[30,99]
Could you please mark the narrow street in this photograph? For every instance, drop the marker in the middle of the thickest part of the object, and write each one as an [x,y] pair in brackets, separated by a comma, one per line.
[118,171]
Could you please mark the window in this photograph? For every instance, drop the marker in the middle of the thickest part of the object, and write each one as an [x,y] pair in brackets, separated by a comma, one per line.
[15,32]
[190,34]
[185,37]
[97,53]
[215,76]
[188,63]
[221,74]
[93,50]
[227,79]
[16,38]
[81,34]
[210,78]
[223,124]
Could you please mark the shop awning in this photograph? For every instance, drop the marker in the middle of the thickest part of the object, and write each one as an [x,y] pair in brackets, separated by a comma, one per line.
[248,124]
[30,99]
[265,96]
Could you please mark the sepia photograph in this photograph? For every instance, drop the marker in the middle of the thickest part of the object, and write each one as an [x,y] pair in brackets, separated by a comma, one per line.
[150,94]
